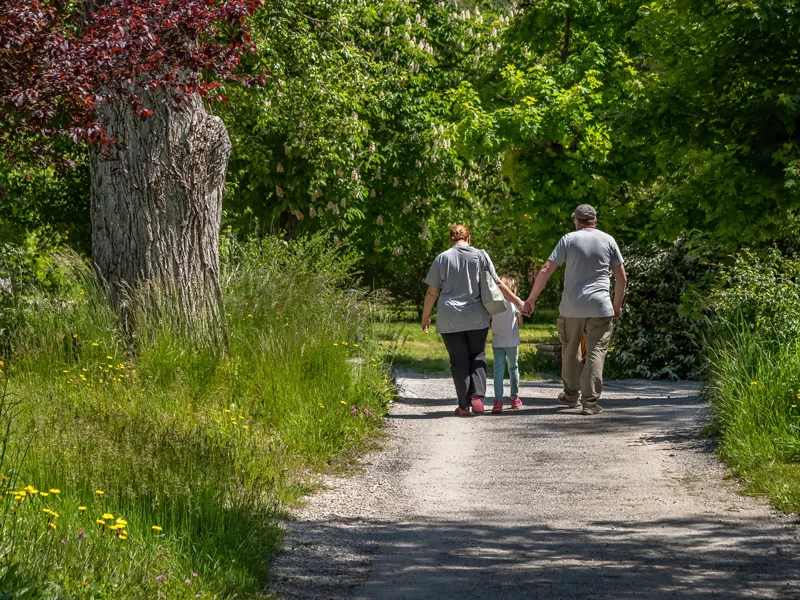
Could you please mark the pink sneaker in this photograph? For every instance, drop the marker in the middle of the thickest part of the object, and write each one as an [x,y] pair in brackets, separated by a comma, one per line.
[462,412]
[498,407]
[477,405]
[516,403]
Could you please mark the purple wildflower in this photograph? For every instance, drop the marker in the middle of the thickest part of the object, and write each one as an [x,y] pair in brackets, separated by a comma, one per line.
[354,411]
[161,577]
[187,581]
[195,575]
[81,533]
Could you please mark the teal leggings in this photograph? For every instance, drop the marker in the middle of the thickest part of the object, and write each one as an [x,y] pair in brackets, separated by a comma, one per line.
[500,357]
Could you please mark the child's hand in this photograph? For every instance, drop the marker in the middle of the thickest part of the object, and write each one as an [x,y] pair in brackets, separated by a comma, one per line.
[426,324]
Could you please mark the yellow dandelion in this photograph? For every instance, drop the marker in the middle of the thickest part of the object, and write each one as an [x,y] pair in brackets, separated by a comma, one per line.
[355,345]
[245,427]
[342,402]
[753,383]
[44,494]
[123,537]
[227,314]
[114,527]
[65,371]
[55,492]
[344,343]
[84,583]
[95,344]
[241,417]
[321,405]
[81,508]
[794,405]
[99,492]
[75,336]
[122,522]
[51,525]
[107,516]
[250,316]
[227,410]
[157,528]
[319,420]
[336,345]
[100,521]
[110,357]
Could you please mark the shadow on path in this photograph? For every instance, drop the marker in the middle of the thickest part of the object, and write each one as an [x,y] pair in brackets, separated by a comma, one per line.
[686,558]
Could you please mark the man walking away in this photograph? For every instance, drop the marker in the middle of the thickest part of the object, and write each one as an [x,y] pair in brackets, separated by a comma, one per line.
[586,309]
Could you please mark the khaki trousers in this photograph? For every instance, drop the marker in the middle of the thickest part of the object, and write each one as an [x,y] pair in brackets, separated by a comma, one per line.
[584,381]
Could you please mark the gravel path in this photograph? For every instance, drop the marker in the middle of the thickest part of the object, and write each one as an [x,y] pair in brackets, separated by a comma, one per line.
[540,503]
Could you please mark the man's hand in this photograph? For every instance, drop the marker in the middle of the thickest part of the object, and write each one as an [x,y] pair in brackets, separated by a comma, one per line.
[426,324]
[617,312]
[529,307]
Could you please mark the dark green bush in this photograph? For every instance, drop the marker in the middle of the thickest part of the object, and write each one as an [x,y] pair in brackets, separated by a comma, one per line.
[657,336]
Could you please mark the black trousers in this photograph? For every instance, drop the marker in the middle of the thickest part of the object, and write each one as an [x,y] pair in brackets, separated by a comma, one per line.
[467,350]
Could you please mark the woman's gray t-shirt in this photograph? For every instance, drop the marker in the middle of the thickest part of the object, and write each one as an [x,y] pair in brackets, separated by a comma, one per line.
[456,272]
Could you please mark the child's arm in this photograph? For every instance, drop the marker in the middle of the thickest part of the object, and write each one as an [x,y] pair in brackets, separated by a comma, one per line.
[519,318]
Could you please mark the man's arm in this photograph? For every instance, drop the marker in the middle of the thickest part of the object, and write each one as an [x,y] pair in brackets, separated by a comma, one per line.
[430,299]
[620,286]
[538,286]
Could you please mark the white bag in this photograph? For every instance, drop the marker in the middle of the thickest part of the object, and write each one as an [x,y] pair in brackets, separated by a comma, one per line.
[491,296]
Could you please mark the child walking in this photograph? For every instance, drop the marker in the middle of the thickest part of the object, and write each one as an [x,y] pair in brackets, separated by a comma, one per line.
[505,345]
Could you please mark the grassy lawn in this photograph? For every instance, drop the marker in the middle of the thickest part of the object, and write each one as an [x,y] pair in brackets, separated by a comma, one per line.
[409,348]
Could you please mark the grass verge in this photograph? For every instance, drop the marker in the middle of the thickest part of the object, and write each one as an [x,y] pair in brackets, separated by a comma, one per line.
[407,347]
[163,471]
[754,387]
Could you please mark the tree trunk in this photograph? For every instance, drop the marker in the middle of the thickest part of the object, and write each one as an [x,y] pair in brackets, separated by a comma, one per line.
[156,208]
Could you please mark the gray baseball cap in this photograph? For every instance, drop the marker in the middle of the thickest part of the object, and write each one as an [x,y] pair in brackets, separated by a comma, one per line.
[585,212]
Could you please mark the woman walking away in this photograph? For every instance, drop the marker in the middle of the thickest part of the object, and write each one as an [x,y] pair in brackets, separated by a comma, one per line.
[454,278]
[505,345]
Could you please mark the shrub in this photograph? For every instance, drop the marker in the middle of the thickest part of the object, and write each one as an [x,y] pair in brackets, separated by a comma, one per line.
[656,336]
[192,450]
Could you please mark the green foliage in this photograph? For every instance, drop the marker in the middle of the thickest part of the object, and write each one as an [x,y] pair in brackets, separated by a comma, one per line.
[755,393]
[720,108]
[656,337]
[762,290]
[207,446]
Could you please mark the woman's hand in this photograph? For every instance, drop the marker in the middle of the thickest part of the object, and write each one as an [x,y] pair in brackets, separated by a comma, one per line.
[426,323]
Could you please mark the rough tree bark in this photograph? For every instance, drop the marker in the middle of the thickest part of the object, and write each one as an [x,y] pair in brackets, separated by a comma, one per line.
[156,206]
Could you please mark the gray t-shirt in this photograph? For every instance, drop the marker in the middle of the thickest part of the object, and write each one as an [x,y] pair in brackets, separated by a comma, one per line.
[590,255]
[456,272]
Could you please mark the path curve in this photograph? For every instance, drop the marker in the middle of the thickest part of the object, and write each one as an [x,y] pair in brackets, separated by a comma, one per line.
[540,503]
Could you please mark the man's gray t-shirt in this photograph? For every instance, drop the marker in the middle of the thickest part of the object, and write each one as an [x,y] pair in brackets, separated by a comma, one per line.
[590,255]
[456,272]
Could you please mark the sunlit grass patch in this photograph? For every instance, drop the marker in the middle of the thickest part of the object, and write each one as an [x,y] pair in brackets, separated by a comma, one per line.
[174,461]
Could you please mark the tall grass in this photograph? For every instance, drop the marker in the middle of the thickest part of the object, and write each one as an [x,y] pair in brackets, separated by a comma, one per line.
[195,451]
[754,386]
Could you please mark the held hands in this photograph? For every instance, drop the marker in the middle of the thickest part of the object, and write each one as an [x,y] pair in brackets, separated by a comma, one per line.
[426,324]
[529,307]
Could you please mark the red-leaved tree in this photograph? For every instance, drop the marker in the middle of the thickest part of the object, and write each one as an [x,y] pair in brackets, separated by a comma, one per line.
[130,78]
